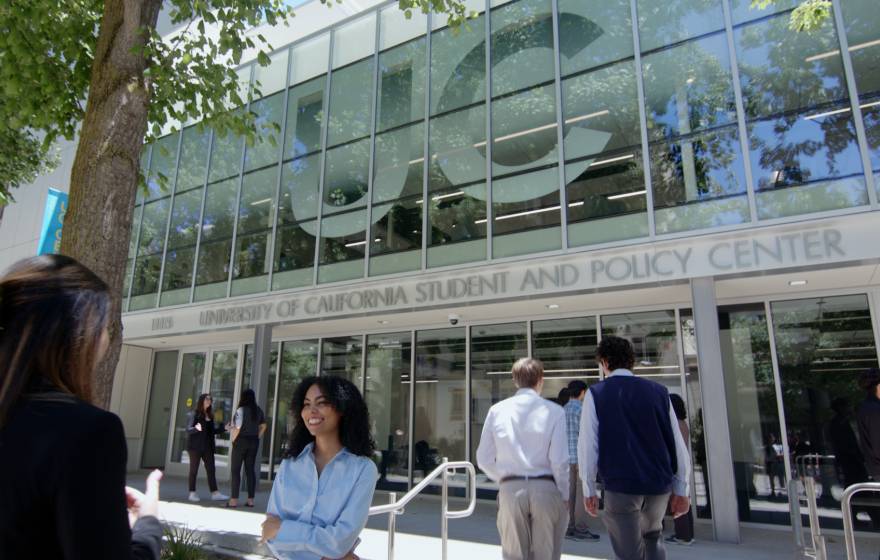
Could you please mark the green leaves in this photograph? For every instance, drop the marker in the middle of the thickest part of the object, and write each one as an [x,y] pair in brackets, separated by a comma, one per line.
[809,15]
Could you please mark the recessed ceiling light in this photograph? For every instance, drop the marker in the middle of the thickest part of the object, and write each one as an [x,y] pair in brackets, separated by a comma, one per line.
[797,283]
[552,306]
[383,321]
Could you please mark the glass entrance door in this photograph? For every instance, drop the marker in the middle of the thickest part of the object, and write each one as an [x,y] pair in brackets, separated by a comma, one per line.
[190,385]
[224,366]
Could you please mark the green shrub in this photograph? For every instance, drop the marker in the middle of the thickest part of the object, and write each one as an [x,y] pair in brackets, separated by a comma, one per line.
[182,543]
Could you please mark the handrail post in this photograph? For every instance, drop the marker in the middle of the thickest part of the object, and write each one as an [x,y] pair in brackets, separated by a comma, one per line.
[794,506]
[444,508]
[816,536]
[392,525]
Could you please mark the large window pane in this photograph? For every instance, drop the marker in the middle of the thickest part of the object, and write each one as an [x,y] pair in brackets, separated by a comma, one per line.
[600,111]
[268,117]
[193,158]
[785,70]
[342,357]
[351,91]
[224,366]
[524,131]
[343,244]
[153,226]
[440,405]
[743,10]
[662,22]
[179,258]
[305,117]
[309,59]
[755,433]
[191,385]
[606,199]
[806,162]
[346,177]
[273,77]
[458,148]
[257,208]
[593,33]
[494,349]
[654,339]
[160,178]
[354,40]
[387,393]
[699,182]
[299,359]
[688,88]
[299,189]
[822,345]
[396,236]
[458,66]
[225,156]
[216,242]
[457,226]
[522,45]
[294,256]
[145,282]
[401,85]
[399,163]
[396,28]
[568,349]
[525,213]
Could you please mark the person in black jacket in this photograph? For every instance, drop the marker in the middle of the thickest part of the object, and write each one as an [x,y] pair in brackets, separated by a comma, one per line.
[868,419]
[200,446]
[62,480]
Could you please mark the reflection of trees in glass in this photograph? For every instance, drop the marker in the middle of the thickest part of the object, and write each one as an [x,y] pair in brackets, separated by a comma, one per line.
[662,22]
[401,85]
[456,218]
[295,248]
[351,90]
[345,181]
[522,45]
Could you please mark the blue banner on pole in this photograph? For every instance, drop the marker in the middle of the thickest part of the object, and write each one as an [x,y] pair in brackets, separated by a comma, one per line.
[53,220]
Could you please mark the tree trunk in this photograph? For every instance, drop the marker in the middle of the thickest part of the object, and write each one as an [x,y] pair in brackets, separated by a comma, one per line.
[104,179]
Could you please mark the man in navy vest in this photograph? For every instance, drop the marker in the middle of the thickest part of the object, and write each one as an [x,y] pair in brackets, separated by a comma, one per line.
[629,436]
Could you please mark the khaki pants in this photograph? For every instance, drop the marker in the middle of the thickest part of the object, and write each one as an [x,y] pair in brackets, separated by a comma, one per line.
[577,514]
[531,520]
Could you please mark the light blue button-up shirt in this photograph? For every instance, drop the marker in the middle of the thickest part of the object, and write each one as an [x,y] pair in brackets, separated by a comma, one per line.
[321,516]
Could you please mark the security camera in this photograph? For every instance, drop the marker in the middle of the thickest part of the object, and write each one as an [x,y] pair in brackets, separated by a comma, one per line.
[453,319]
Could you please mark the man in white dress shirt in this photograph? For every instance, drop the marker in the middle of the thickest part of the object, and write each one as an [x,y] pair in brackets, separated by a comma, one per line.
[629,436]
[523,447]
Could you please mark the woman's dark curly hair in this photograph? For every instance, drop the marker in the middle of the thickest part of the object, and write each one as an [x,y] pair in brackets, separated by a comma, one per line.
[344,396]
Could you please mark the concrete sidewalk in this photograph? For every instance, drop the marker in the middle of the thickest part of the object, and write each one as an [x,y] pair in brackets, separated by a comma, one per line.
[418,531]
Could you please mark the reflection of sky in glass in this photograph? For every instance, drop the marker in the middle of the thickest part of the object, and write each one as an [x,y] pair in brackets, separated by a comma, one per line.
[785,152]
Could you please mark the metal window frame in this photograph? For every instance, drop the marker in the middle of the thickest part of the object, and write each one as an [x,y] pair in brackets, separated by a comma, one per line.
[426,150]
[777,387]
[168,221]
[643,119]
[856,109]
[740,112]
[325,109]
[270,251]
[368,224]
[198,248]
[490,210]
[560,133]
[241,174]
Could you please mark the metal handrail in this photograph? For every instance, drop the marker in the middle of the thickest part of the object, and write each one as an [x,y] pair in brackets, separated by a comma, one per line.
[395,507]
[846,509]
[817,548]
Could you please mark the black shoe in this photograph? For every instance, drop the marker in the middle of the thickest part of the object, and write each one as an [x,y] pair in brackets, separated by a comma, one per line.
[681,542]
[585,535]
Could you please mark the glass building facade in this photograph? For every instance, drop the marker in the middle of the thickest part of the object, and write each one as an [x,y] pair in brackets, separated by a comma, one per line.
[394,145]
[398,150]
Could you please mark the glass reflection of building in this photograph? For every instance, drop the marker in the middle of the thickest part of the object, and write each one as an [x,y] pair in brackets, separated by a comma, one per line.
[394,147]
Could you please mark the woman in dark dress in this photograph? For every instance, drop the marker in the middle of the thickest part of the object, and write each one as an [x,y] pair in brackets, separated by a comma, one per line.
[62,480]
[200,446]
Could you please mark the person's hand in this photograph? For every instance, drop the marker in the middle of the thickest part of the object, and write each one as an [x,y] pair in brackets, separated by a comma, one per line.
[144,504]
[198,426]
[591,504]
[271,526]
[679,505]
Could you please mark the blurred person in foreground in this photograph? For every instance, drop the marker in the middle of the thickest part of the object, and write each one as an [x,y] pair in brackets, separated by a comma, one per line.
[62,480]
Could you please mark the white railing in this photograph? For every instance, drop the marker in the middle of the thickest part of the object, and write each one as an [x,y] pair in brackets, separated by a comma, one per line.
[846,509]
[807,466]
[395,506]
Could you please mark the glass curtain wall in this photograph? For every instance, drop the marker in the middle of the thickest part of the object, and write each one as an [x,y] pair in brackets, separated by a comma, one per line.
[404,145]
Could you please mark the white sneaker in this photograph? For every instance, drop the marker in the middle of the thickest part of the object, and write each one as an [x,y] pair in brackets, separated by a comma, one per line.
[218,496]
[193,497]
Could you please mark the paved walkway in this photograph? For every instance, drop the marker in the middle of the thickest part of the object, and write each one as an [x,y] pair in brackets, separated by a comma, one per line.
[476,537]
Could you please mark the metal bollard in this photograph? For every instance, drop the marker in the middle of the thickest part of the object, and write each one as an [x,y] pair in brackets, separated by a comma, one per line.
[392,525]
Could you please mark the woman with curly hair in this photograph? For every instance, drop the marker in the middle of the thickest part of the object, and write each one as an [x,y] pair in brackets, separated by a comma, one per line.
[322,492]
